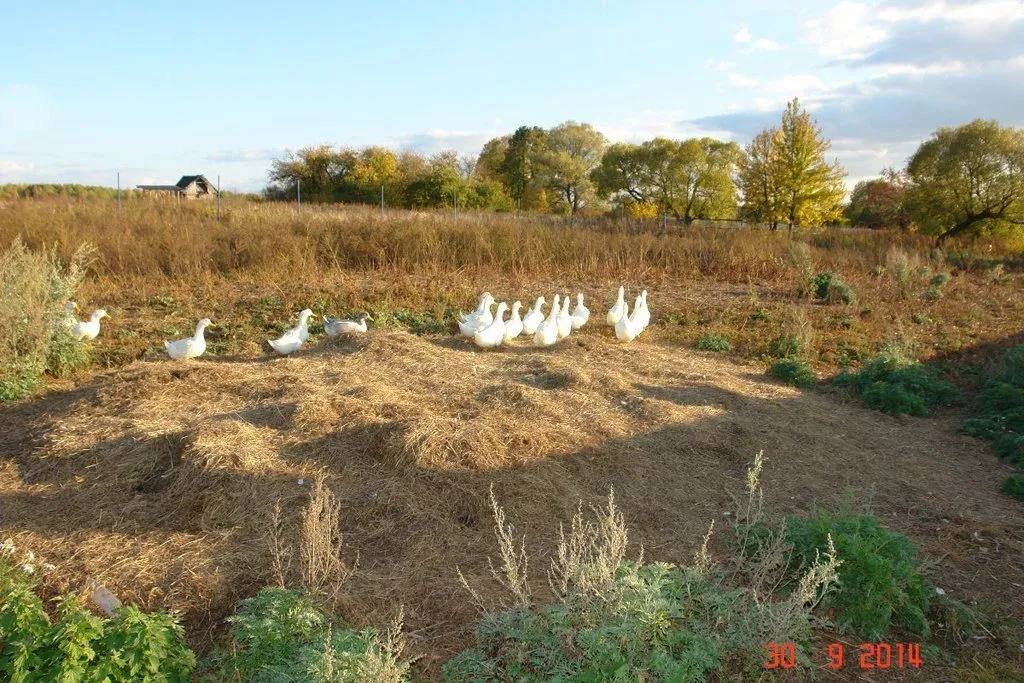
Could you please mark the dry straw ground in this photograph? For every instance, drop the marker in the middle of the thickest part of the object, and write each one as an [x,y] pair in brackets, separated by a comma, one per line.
[161,479]
[178,485]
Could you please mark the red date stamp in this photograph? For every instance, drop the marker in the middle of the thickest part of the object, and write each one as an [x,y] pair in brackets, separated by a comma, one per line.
[866,656]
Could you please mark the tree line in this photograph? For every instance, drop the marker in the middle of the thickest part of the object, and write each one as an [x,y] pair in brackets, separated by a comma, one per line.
[962,180]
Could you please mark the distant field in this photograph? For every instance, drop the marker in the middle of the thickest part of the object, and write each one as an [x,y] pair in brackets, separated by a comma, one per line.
[160,479]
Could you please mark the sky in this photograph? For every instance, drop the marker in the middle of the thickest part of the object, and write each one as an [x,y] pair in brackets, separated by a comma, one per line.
[155,90]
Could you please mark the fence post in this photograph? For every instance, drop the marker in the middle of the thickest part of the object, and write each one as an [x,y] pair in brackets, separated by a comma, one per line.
[382,200]
[298,195]
[218,198]
[119,192]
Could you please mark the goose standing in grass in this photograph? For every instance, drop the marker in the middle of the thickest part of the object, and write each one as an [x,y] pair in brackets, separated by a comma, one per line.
[490,337]
[293,338]
[534,317]
[514,326]
[636,318]
[337,326]
[89,329]
[189,347]
[547,331]
[471,322]
[580,314]
[564,320]
[617,311]
[69,313]
[625,329]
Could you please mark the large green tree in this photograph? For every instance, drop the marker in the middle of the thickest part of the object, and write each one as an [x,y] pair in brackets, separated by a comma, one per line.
[688,178]
[785,177]
[565,161]
[880,202]
[968,180]
[320,169]
[811,189]
[759,181]
[492,156]
[517,168]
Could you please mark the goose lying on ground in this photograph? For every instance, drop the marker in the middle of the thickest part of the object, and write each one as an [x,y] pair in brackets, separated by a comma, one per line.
[189,347]
[547,331]
[514,326]
[534,317]
[338,326]
[490,337]
[293,338]
[617,311]
[580,314]
[89,329]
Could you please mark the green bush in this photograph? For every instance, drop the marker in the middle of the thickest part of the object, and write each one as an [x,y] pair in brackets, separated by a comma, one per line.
[880,584]
[79,646]
[786,346]
[792,371]
[615,619]
[1013,486]
[894,385]
[828,287]
[280,635]
[35,336]
[714,342]
[1000,416]
[658,622]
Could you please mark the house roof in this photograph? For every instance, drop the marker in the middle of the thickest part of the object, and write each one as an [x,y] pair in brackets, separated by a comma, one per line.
[168,188]
[187,180]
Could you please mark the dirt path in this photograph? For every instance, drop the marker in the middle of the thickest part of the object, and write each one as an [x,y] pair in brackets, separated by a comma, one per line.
[159,479]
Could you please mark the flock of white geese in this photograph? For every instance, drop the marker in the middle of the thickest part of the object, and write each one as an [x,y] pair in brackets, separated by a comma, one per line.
[487,330]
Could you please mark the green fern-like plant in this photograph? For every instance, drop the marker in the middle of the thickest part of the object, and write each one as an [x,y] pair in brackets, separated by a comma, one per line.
[895,385]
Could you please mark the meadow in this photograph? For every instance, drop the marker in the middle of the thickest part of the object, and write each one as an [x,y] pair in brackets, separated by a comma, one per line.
[371,471]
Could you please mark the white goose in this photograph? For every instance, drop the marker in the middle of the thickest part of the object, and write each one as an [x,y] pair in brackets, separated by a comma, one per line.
[534,317]
[293,338]
[564,320]
[625,329]
[580,314]
[470,323]
[89,329]
[514,326]
[617,311]
[485,302]
[490,337]
[189,347]
[645,315]
[547,331]
[337,326]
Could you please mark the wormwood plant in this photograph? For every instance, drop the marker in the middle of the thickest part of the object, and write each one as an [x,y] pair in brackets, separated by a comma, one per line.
[895,385]
[79,646]
[280,635]
[1000,416]
[712,341]
[623,619]
[35,333]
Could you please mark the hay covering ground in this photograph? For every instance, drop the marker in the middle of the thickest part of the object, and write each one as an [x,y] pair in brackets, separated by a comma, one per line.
[159,479]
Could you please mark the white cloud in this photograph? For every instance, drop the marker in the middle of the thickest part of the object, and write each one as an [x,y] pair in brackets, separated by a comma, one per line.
[747,38]
[722,66]
[15,167]
[743,81]
[765,44]
[244,155]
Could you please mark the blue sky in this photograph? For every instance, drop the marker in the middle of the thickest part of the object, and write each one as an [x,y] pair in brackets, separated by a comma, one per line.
[159,89]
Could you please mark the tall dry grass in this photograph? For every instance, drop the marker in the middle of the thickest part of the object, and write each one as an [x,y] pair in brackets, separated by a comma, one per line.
[154,238]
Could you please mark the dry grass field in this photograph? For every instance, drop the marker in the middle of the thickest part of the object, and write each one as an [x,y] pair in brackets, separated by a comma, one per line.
[181,485]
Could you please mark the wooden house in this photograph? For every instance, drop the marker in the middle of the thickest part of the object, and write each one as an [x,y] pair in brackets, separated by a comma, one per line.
[189,187]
